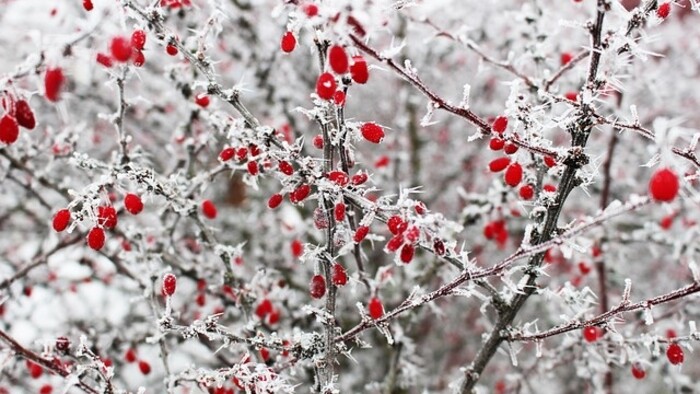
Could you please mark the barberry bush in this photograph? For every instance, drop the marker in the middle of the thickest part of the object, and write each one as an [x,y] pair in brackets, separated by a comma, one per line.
[274,196]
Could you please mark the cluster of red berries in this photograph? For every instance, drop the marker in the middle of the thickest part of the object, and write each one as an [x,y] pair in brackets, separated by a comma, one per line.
[17,113]
[405,237]
[122,50]
[130,357]
[106,219]
[513,170]
[340,64]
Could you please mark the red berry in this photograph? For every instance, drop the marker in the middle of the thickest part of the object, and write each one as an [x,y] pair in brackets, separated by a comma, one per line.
[297,248]
[274,201]
[286,168]
[514,174]
[395,243]
[375,307]
[104,59]
[360,234]
[171,50]
[107,216]
[340,178]
[53,81]
[527,192]
[209,209]
[667,221]
[500,124]
[318,141]
[138,39]
[663,185]
[169,284]
[35,369]
[310,10]
[396,225]
[590,334]
[358,70]
[372,132]
[584,268]
[325,86]
[242,153]
[674,353]
[664,10]
[121,49]
[439,247]
[87,4]
[138,58]
[61,220]
[359,179]
[62,344]
[144,367]
[24,114]
[339,212]
[253,168]
[130,355]
[227,154]
[338,59]
[96,238]
[638,371]
[317,287]
[496,143]
[264,354]
[300,193]
[202,100]
[510,148]
[264,308]
[273,317]
[565,58]
[340,277]
[571,96]
[500,164]
[9,130]
[289,42]
[549,161]
[47,388]
[339,98]
[549,188]
[133,204]
[407,253]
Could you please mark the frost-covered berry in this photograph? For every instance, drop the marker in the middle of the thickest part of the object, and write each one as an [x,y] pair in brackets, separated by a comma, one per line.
[202,100]
[264,308]
[339,212]
[96,238]
[499,164]
[171,50]
[496,143]
[121,49]
[338,59]
[310,10]
[500,124]
[360,234]
[61,220]
[339,276]
[674,353]
[107,216]
[340,178]
[35,370]
[138,39]
[252,167]
[325,86]
[514,174]
[510,148]
[439,247]
[372,132]
[274,201]
[663,185]
[169,284]
[590,334]
[25,115]
[62,344]
[358,70]
[375,308]
[407,253]
[300,193]
[286,168]
[53,82]
[664,10]
[526,192]
[317,287]
[9,129]
[289,42]
[130,355]
[227,154]
[638,371]
[209,209]
[318,141]
[87,4]
[133,203]
[566,58]
[144,367]
[297,248]
[104,59]
[396,224]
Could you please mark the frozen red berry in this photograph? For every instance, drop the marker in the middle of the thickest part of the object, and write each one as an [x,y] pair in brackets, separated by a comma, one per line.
[339,276]
[87,4]
[591,334]
[372,132]
[396,224]
[375,307]
[35,370]
[514,174]
[107,216]
[674,353]
[500,124]
[663,185]
[297,248]
[310,10]
[9,129]
[144,367]
[317,287]
[104,59]
[549,161]
[286,168]
[227,154]
[339,98]
[53,82]
[289,42]
[496,143]
[62,344]
[202,100]
[358,70]
[171,50]
[339,212]
[565,58]
[24,115]
[130,355]
[407,253]
[209,209]
[96,238]
[121,49]
[664,10]
[500,164]
[360,234]
[300,193]
[138,39]
[318,141]
[61,220]
[395,243]
[338,59]
[264,308]
[253,168]
[510,148]
[439,247]
[169,284]
[274,201]
[359,179]
[325,86]
[133,203]
[638,371]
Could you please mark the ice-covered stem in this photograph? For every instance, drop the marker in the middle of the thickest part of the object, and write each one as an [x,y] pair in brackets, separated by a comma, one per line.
[49,365]
[580,131]
[624,307]
[119,117]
